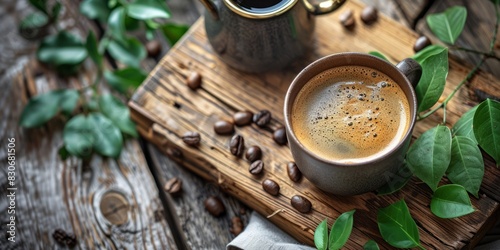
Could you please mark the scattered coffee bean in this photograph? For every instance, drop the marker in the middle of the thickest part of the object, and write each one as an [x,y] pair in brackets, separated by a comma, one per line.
[191,138]
[194,80]
[300,203]
[173,186]
[153,48]
[243,211]
[214,206]
[369,15]
[236,226]
[242,118]
[174,152]
[253,153]
[262,118]
[70,240]
[293,172]
[59,235]
[421,43]
[223,127]
[271,187]
[347,19]
[279,136]
[237,145]
[256,167]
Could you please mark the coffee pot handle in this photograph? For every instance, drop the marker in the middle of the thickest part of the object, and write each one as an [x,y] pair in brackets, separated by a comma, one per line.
[323,7]
[411,69]
[211,8]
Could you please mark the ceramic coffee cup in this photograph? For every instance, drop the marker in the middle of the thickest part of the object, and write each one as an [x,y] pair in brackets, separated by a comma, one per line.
[380,135]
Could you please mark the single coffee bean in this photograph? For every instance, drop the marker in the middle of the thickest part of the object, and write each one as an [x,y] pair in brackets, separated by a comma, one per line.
[237,145]
[293,172]
[421,43]
[70,240]
[191,138]
[236,226]
[369,15]
[256,167]
[242,118]
[301,203]
[253,153]
[174,152]
[153,48]
[279,136]
[262,118]
[214,206]
[223,127]
[194,80]
[60,236]
[173,186]
[347,19]
[271,187]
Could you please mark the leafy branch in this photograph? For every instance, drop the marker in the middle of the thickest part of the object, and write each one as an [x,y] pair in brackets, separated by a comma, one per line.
[441,151]
[96,122]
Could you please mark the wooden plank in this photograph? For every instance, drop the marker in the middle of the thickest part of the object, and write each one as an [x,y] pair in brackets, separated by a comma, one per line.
[106,203]
[165,108]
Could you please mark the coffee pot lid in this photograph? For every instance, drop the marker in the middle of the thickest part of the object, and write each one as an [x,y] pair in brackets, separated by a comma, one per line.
[259,9]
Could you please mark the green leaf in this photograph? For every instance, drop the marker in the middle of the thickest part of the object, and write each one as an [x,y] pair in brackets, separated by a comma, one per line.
[108,140]
[62,49]
[78,136]
[427,52]
[429,156]
[148,9]
[130,52]
[56,10]
[63,153]
[93,49]
[397,227]
[39,110]
[463,126]
[118,113]
[125,79]
[497,2]
[431,84]
[321,236]
[466,166]
[371,245]
[95,9]
[43,107]
[112,3]
[41,5]
[32,25]
[395,181]
[131,23]
[68,100]
[341,230]
[486,126]
[378,54]
[451,201]
[116,24]
[448,25]
[174,32]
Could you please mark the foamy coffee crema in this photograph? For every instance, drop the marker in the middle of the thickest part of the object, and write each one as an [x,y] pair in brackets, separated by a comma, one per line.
[350,114]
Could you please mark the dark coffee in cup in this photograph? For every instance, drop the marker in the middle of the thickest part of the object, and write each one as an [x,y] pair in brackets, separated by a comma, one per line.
[261,6]
[350,114]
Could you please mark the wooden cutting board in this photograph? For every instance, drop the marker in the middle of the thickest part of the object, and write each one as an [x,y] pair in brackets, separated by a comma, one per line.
[165,108]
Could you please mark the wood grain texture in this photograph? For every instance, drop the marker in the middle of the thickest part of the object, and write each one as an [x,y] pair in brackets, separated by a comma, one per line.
[165,108]
[69,194]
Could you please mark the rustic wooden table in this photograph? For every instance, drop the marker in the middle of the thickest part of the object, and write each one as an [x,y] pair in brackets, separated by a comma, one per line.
[121,203]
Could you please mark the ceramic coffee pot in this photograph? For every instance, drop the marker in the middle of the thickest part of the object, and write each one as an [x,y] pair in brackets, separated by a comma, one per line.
[262,35]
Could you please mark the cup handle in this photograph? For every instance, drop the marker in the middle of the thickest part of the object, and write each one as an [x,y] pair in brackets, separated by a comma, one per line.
[411,69]
[323,7]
